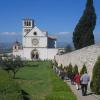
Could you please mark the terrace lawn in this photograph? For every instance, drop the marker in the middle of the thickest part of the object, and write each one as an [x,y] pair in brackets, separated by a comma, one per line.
[38,80]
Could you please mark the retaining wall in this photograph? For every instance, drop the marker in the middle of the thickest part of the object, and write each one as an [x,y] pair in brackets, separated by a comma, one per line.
[87,55]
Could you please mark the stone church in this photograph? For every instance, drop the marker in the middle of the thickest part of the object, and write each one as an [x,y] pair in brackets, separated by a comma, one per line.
[36,44]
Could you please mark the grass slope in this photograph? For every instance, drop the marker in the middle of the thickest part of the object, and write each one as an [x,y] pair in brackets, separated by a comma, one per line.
[9,90]
[39,81]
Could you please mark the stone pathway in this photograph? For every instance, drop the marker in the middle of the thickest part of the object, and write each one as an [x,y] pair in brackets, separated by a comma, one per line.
[78,93]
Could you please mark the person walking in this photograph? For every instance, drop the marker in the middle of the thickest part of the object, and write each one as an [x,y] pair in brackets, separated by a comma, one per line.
[77,81]
[71,76]
[84,83]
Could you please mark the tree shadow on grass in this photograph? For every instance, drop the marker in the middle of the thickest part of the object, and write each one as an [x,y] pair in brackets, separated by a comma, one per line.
[36,65]
[25,95]
[33,65]
[20,78]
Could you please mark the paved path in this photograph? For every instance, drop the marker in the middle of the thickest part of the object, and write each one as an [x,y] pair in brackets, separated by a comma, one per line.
[78,93]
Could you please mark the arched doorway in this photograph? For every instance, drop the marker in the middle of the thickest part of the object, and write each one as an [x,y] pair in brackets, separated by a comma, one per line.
[34,54]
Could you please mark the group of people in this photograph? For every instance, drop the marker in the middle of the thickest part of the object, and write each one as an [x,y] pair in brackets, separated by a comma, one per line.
[77,79]
[80,81]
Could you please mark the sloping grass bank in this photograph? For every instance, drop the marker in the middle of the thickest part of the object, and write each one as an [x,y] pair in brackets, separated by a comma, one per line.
[40,83]
[60,90]
[9,90]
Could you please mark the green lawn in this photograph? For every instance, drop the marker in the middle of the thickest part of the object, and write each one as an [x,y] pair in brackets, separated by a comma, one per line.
[38,80]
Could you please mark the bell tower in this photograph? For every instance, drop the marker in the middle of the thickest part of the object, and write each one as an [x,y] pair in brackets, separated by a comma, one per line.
[28,24]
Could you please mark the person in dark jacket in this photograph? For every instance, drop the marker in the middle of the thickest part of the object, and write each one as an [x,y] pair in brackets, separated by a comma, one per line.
[72,75]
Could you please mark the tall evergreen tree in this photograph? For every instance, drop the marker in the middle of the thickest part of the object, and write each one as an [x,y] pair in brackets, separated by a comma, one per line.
[95,83]
[75,69]
[83,70]
[70,73]
[70,69]
[83,33]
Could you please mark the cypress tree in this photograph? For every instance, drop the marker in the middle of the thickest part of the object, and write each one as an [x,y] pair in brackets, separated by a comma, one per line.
[83,33]
[83,70]
[70,69]
[95,83]
[75,69]
[55,63]
[61,66]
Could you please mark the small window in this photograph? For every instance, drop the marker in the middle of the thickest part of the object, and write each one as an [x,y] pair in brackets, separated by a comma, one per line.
[15,47]
[25,23]
[35,33]
[29,23]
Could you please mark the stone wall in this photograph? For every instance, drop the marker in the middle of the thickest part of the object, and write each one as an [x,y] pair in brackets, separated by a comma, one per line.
[87,55]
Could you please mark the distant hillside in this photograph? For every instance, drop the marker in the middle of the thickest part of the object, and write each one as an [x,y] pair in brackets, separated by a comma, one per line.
[63,44]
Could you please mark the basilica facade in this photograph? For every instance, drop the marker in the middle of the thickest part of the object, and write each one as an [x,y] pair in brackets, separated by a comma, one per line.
[36,44]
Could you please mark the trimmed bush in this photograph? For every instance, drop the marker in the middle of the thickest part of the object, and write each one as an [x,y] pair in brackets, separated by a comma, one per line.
[9,90]
[61,66]
[95,83]
[83,70]
[70,68]
[75,69]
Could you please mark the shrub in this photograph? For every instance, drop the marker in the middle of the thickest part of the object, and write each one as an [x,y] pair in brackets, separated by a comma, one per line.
[70,68]
[95,83]
[55,63]
[9,90]
[75,69]
[61,66]
[83,70]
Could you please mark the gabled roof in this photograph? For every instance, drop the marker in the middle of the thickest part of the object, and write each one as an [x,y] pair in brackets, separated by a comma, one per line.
[36,29]
[52,37]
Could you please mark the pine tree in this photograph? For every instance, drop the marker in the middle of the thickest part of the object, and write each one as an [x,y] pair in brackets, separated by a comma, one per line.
[83,33]
[83,70]
[95,83]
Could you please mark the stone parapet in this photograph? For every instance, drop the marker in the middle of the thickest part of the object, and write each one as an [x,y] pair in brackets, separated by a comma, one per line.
[87,56]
